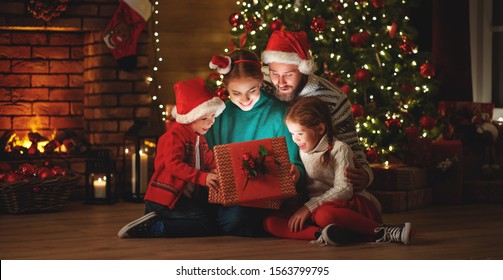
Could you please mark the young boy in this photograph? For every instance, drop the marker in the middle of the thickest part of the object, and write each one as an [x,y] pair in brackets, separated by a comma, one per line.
[176,206]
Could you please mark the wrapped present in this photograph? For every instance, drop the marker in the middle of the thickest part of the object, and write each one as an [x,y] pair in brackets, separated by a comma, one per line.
[463,108]
[446,173]
[398,177]
[253,173]
[391,201]
[418,152]
[419,198]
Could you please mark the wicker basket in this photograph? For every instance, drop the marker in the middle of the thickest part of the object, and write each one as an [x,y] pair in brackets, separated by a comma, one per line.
[37,195]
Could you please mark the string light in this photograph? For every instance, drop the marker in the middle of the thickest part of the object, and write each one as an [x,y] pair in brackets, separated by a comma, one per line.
[157,59]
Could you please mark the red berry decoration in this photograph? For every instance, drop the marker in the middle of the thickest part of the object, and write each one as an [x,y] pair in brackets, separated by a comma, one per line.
[362,75]
[407,45]
[235,19]
[427,70]
[427,122]
[357,110]
[276,24]
[318,24]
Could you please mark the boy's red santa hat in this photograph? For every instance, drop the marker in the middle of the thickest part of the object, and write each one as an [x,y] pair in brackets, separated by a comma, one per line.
[194,100]
[290,48]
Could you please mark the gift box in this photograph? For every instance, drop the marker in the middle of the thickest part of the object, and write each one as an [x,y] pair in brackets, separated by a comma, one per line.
[253,173]
[446,173]
[398,177]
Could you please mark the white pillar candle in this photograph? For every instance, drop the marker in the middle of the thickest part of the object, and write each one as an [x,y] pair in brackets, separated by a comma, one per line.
[100,188]
[143,176]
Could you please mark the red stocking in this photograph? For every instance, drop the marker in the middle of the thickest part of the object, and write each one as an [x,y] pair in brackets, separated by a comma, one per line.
[123,30]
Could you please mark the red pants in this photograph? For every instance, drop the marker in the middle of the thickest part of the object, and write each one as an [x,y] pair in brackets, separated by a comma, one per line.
[358,215]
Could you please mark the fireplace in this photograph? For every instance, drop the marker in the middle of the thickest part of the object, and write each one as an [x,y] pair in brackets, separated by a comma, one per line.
[58,77]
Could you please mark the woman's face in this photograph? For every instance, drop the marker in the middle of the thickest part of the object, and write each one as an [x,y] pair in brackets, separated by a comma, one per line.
[244,92]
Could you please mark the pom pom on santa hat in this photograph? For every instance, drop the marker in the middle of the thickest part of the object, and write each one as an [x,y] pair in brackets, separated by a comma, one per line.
[290,48]
[194,100]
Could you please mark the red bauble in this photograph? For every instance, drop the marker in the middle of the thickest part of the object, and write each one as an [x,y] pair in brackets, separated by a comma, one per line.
[359,39]
[427,122]
[393,123]
[222,93]
[427,70]
[235,19]
[357,110]
[412,132]
[318,24]
[407,45]
[276,24]
[392,29]
[362,75]
[346,89]
[371,155]
[377,3]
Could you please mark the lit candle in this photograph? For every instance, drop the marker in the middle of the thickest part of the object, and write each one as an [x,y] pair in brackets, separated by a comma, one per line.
[100,188]
[143,172]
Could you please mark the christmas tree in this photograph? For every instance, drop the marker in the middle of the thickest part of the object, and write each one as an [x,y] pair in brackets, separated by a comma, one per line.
[366,47]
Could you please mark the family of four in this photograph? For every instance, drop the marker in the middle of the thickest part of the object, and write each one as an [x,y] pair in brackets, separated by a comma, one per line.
[284,98]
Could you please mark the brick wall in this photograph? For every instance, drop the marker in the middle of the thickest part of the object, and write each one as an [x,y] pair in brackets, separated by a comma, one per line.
[59,75]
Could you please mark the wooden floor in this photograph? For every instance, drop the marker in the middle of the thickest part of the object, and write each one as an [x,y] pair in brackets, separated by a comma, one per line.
[88,232]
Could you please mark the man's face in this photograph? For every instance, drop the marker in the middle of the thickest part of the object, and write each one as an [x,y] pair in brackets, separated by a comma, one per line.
[286,78]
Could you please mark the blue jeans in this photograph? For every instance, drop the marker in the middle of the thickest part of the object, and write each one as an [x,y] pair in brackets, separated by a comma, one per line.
[242,221]
[189,218]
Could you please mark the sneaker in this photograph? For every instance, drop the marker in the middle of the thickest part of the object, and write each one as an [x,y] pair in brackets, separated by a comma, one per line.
[332,235]
[398,234]
[139,227]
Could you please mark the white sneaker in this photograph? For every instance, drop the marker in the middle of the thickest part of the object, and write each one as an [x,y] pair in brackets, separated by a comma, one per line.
[125,230]
[398,234]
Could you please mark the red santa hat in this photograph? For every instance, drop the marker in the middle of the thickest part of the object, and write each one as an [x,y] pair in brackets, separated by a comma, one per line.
[194,100]
[290,48]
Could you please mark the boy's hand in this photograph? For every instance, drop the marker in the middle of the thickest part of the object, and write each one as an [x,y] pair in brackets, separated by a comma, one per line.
[295,173]
[212,181]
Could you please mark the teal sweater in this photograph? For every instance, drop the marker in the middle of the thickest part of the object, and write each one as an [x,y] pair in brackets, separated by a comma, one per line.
[264,120]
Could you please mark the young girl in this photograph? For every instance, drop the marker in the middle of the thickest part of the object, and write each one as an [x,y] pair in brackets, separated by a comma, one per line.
[249,115]
[333,214]
[176,206]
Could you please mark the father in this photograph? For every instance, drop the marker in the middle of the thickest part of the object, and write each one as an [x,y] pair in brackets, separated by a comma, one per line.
[291,72]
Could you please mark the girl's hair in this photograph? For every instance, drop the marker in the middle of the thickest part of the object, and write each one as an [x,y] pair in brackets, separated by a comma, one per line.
[244,64]
[310,112]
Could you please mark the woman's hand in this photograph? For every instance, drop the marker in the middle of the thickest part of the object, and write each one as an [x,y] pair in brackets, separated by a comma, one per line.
[297,220]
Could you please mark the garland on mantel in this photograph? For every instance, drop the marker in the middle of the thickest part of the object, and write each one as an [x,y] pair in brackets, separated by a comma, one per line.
[47,9]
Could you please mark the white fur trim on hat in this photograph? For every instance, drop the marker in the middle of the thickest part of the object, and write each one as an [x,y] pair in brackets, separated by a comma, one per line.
[305,66]
[224,64]
[213,105]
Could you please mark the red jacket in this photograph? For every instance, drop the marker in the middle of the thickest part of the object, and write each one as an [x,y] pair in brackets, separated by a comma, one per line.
[175,164]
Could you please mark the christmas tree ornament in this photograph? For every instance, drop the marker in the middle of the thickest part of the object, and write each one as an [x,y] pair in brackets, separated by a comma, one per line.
[377,3]
[407,46]
[392,29]
[318,24]
[235,19]
[346,89]
[357,111]
[359,39]
[427,122]
[393,123]
[221,92]
[123,31]
[362,75]
[252,24]
[371,154]
[427,70]
[407,88]
[276,24]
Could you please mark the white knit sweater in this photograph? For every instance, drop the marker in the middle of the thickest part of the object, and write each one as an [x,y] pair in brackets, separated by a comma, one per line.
[329,183]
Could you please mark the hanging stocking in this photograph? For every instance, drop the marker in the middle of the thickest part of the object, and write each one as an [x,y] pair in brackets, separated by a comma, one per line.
[122,33]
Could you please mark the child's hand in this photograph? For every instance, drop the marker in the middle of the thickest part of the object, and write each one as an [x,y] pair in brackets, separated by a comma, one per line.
[297,220]
[212,181]
[295,173]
